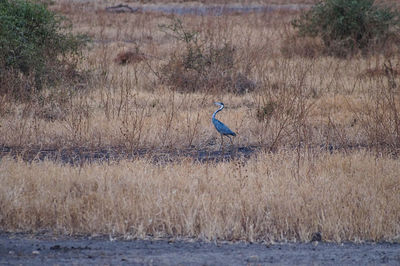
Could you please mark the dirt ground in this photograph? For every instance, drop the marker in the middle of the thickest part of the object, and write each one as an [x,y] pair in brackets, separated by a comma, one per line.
[80,155]
[25,249]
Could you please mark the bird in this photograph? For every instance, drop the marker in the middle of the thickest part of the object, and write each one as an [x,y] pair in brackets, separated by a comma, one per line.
[221,127]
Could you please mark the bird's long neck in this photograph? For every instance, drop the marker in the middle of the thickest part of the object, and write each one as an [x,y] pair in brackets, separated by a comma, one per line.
[213,116]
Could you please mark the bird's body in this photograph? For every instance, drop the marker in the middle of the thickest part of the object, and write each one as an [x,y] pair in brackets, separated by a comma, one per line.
[221,127]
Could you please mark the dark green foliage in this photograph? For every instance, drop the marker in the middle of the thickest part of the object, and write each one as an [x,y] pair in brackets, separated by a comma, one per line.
[346,26]
[34,45]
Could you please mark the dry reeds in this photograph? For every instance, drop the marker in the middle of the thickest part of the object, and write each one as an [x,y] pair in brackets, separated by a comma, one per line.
[345,198]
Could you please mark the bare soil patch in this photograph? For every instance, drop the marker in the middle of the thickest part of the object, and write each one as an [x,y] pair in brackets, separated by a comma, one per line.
[79,155]
[33,250]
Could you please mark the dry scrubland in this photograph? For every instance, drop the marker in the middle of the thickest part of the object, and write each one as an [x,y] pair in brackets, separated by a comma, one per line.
[299,102]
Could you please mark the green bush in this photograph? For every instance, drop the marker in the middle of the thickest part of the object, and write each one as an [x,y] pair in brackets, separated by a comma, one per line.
[347,26]
[35,47]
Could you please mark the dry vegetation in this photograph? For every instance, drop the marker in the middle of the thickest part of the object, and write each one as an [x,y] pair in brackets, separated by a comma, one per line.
[300,104]
[344,197]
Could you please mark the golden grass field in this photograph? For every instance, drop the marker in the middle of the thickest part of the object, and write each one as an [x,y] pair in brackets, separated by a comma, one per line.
[303,103]
[344,197]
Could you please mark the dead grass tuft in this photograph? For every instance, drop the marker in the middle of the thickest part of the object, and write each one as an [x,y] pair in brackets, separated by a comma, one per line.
[378,72]
[129,57]
[303,47]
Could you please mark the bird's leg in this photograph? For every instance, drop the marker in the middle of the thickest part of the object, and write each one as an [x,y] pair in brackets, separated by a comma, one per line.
[230,138]
[222,143]
[233,148]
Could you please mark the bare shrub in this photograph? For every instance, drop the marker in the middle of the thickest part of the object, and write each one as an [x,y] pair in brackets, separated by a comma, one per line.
[284,106]
[203,66]
[132,122]
[16,86]
[77,122]
[380,113]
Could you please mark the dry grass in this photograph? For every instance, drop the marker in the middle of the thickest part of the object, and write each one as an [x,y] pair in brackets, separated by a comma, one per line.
[129,105]
[303,102]
[345,198]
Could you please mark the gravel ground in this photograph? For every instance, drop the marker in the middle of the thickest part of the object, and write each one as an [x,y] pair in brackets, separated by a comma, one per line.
[24,249]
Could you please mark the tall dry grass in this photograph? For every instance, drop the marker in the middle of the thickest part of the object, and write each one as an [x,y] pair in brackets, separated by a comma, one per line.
[344,197]
[303,102]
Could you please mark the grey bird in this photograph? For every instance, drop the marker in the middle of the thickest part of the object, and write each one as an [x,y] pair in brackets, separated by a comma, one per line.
[221,127]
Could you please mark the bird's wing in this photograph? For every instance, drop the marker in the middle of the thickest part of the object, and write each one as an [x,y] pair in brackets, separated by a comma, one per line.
[222,128]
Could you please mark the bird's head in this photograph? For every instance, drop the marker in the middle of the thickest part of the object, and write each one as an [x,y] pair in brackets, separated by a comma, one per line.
[219,104]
